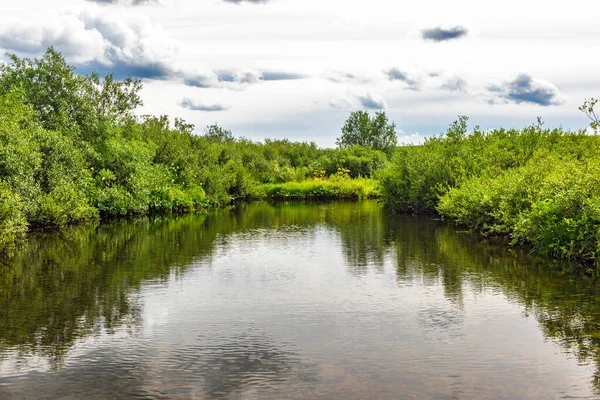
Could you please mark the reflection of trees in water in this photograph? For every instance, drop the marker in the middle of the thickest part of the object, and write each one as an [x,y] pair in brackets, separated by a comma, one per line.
[60,287]
[417,255]
[362,234]
[567,306]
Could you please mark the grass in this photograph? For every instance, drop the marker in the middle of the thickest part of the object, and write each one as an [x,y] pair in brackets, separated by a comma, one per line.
[332,188]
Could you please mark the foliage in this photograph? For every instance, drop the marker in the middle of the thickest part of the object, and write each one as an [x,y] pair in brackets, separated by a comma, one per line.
[539,186]
[337,186]
[72,150]
[12,220]
[362,130]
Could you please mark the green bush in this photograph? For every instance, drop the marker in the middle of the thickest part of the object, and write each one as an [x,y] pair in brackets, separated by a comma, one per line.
[71,149]
[63,205]
[12,221]
[539,186]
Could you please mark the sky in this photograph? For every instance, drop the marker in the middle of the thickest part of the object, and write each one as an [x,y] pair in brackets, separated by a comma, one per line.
[297,68]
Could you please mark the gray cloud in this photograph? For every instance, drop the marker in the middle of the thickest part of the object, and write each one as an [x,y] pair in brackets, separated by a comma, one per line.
[439,34]
[194,106]
[394,74]
[239,76]
[280,76]
[200,81]
[526,89]
[366,100]
[455,85]
[372,101]
[236,79]
[121,70]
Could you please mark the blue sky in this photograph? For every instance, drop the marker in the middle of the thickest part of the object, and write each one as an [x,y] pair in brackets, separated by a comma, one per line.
[296,68]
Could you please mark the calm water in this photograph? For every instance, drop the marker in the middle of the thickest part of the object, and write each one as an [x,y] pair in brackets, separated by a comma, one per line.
[330,300]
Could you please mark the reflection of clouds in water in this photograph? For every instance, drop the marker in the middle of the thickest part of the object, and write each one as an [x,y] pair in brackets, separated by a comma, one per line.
[248,365]
[441,322]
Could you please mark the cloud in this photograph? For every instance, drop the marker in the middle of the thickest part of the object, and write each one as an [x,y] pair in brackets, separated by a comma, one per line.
[439,34]
[455,85]
[207,80]
[194,106]
[240,76]
[372,101]
[345,77]
[342,104]
[394,74]
[526,89]
[281,76]
[97,39]
[127,2]
[68,35]
[366,100]
[234,79]
[247,1]
[103,41]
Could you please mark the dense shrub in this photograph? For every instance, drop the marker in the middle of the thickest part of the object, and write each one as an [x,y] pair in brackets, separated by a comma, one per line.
[12,221]
[71,149]
[539,186]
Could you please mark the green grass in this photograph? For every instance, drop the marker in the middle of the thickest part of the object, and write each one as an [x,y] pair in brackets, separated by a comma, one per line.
[332,188]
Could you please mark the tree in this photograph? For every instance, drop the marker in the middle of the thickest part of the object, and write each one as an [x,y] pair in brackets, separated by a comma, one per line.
[373,132]
[215,133]
[66,101]
[588,109]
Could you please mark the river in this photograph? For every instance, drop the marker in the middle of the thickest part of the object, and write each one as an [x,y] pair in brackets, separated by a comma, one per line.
[335,300]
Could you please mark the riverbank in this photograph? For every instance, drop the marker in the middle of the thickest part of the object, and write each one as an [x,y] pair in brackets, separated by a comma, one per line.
[80,153]
[540,187]
[333,188]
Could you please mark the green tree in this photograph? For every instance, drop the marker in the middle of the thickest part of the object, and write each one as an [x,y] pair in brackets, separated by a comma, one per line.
[588,109]
[65,101]
[374,132]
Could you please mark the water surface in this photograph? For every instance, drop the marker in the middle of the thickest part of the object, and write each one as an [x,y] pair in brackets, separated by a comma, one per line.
[291,300]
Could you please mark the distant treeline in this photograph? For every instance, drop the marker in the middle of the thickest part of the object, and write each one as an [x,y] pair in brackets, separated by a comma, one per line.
[541,187]
[71,149]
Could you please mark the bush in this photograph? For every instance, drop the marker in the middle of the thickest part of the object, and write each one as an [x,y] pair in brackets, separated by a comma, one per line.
[12,221]
[541,187]
[71,150]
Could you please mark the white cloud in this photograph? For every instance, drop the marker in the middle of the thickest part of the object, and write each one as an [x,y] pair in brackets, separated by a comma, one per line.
[251,56]
[94,35]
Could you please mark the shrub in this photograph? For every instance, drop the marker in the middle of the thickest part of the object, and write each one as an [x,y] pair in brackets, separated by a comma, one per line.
[12,221]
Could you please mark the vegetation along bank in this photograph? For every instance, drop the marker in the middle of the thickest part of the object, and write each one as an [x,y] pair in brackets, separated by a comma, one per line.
[72,149]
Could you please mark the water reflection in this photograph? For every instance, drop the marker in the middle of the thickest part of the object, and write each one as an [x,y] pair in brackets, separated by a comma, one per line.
[246,302]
